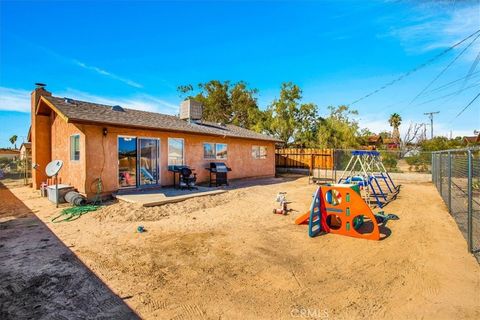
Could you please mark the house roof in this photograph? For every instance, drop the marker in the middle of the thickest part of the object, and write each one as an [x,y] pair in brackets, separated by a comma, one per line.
[26,145]
[391,140]
[9,151]
[94,113]
[472,139]
[375,138]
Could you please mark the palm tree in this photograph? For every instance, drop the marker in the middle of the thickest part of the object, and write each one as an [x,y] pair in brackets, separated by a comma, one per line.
[13,140]
[395,121]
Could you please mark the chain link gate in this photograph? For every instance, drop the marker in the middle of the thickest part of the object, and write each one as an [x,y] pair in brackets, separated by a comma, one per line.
[456,175]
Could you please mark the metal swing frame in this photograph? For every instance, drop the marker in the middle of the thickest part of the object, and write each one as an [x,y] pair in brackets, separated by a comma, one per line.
[369,161]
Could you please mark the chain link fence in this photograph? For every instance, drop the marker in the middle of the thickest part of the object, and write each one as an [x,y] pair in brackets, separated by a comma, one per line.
[406,165]
[456,175]
[16,169]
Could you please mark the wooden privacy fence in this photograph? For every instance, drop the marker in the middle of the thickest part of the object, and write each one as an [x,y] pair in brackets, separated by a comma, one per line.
[304,158]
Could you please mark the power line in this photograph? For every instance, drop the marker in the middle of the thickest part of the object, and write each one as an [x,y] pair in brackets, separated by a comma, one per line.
[472,69]
[468,105]
[444,69]
[415,69]
[443,86]
[448,95]
[449,84]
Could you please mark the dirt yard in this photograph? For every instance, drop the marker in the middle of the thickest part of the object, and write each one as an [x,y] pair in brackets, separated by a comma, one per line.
[228,257]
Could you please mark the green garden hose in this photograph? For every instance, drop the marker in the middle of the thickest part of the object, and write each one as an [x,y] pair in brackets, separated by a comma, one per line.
[71,214]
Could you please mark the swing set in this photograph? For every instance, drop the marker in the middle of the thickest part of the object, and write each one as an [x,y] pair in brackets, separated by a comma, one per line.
[366,169]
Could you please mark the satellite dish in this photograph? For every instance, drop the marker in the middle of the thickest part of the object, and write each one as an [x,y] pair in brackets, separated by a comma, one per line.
[53,168]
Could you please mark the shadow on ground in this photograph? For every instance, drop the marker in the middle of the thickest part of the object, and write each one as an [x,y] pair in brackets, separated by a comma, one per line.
[41,278]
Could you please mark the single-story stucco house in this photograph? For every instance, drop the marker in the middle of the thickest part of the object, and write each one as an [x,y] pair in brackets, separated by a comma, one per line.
[129,148]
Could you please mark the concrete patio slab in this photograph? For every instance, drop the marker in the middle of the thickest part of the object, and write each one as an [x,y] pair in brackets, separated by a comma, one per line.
[157,197]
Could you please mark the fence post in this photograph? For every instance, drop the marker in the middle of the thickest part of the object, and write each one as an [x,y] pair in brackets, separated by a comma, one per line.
[469,211]
[440,175]
[433,167]
[449,182]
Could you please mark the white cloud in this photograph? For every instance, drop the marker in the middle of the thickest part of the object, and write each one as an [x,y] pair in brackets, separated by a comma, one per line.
[14,99]
[78,63]
[143,102]
[19,100]
[379,123]
[373,124]
[107,74]
[438,26]
[444,129]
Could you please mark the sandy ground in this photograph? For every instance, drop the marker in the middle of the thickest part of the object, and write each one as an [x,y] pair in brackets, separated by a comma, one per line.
[228,257]
[40,278]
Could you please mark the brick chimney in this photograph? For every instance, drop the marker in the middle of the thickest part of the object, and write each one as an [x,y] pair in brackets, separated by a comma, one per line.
[40,136]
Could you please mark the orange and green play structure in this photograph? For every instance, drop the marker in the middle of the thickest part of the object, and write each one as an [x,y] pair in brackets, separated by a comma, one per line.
[340,209]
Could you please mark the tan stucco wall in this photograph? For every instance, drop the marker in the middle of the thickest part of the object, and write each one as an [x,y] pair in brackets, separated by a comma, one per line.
[72,172]
[40,138]
[41,148]
[239,155]
[99,153]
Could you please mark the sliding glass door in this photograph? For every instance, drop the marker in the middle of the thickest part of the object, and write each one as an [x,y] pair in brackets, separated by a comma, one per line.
[127,162]
[138,162]
[148,152]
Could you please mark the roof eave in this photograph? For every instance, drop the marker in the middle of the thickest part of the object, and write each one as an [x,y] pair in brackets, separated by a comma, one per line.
[104,123]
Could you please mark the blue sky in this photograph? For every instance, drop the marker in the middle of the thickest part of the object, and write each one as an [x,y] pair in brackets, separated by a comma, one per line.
[136,53]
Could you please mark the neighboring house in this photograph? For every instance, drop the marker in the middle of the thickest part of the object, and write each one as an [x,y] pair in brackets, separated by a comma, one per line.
[25,151]
[473,140]
[129,148]
[391,143]
[374,142]
[11,154]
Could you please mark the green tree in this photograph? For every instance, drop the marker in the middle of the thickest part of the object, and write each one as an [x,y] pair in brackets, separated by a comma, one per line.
[13,140]
[245,111]
[339,130]
[363,135]
[289,120]
[225,102]
[283,111]
[395,120]
[307,120]
[440,143]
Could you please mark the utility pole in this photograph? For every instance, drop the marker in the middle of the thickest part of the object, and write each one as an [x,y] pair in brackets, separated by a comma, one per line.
[430,115]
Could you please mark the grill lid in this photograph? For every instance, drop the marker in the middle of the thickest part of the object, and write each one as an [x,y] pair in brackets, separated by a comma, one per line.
[218,167]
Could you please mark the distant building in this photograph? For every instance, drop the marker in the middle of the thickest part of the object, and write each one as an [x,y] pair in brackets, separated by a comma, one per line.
[374,142]
[11,154]
[392,143]
[25,151]
[472,140]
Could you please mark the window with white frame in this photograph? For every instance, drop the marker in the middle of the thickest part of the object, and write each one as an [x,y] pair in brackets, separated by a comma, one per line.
[175,151]
[75,147]
[221,151]
[212,151]
[209,151]
[259,152]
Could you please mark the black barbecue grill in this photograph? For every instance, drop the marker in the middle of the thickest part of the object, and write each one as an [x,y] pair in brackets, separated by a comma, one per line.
[218,173]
